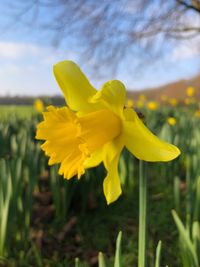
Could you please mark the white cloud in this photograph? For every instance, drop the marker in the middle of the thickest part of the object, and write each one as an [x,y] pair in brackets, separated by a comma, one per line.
[187,50]
[26,51]
[26,68]
[12,50]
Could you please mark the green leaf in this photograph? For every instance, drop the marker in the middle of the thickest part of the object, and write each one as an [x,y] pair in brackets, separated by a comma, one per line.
[118,251]
[101,260]
[77,262]
[158,254]
[184,236]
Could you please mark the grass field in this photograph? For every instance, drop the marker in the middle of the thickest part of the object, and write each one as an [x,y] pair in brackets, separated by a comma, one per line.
[48,221]
[18,111]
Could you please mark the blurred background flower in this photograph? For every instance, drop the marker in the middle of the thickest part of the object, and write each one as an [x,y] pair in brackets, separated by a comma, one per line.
[171,121]
[152,105]
[38,105]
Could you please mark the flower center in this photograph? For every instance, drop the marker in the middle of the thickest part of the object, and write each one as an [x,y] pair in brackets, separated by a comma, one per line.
[98,128]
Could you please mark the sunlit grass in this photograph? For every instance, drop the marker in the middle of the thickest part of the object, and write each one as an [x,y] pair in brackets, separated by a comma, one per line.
[18,111]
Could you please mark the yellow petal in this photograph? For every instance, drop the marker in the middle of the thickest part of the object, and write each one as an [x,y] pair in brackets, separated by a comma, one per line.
[142,143]
[112,95]
[95,159]
[111,184]
[74,85]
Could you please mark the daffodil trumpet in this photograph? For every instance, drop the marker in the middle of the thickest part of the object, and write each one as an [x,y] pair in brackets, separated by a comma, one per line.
[94,127]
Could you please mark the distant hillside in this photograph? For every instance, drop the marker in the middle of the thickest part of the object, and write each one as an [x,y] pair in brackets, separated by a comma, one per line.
[24,100]
[175,89]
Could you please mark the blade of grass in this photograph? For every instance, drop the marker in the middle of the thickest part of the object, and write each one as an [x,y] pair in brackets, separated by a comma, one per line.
[184,235]
[118,257]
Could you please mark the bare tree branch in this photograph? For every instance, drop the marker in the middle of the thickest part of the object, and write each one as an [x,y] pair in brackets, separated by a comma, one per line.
[195,5]
[107,31]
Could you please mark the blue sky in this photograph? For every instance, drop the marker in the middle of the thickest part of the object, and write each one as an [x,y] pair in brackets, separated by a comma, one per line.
[26,62]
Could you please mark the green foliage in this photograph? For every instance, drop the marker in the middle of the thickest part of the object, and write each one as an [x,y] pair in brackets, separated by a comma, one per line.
[48,221]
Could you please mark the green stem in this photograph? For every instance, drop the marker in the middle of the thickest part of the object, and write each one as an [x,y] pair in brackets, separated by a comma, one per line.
[142,257]
[188,197]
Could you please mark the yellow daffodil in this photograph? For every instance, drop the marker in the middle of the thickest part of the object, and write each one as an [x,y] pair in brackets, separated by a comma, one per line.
[94,128]
[173,102]
[190,91]
[152,105]
[38,105]
[171,121]
[129,103]
[197,113]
